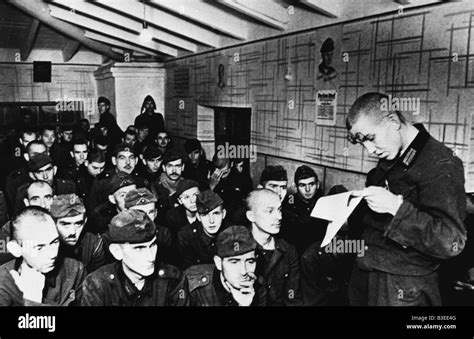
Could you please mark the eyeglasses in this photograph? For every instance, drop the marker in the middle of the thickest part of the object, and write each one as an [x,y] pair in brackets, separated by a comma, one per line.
[359,138]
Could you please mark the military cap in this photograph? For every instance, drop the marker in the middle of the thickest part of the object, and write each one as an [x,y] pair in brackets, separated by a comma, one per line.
[123,147]
[67,205]
[304,172]
[138,197]
[327,46]
[172,155]
[192,145]
[208,200]
[276,173]
[151,152]
[131,226]
[39,160]
[235,240]
[184,185]
[119,180]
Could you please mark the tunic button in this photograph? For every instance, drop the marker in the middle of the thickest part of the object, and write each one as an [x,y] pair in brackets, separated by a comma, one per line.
[194,230]
[112,276]
[161,272]
[204,279]
[286,275]
[404,246]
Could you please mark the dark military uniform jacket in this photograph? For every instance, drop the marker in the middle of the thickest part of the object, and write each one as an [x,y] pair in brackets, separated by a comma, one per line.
[206,289]
[280,269]
[101,216]
[109,286]
[200,173]
[63,285]
[80,176]
[195,246]
[176,219]
[89,250]
[428,226]
[298,227]
[165,201]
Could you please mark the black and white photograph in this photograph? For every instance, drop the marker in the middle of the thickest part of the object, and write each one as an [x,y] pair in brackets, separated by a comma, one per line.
[277,167]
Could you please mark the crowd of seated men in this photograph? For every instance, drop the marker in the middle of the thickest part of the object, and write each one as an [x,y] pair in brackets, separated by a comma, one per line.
[101,216]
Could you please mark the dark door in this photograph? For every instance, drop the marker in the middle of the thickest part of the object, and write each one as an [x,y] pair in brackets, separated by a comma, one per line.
[232,125]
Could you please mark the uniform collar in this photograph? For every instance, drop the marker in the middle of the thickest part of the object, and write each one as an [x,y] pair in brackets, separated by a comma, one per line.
[130,289]
[408,158]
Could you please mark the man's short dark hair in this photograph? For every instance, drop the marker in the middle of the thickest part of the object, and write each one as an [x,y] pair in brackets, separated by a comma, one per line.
[103,100]
[129,131]
[29,211]
[28,130]
[369,105]
[78,141]
[95,156]
[48,128]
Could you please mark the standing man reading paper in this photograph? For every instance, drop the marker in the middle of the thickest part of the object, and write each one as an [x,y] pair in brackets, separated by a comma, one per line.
[415,204]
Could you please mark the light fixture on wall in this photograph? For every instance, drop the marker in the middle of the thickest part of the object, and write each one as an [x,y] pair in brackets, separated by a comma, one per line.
[145,35]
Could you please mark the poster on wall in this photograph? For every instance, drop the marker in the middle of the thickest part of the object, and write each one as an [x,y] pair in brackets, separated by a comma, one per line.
[326,107]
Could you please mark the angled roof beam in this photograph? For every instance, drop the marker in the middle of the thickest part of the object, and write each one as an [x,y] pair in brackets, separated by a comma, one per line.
[118,43]
[165,20]
[266,12]
[112,17]
[206,14]
[26,45]
[330,8]
[40,10]
[99,26]
[70,49]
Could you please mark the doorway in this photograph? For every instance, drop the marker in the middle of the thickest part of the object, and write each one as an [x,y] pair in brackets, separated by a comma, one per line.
[232,126]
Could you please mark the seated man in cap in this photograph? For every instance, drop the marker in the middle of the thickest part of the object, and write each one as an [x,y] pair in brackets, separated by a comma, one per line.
[137,278]
[277,260]
[143,200]
[197,166]
[124,160]
[118,187]
[37,276]
[231,281]
[150,167]
[197,241]
[39,193]
[165,189]
[41,167]
[69,213]
[186,213]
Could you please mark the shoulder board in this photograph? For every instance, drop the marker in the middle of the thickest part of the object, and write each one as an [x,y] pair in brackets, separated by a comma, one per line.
[199,276]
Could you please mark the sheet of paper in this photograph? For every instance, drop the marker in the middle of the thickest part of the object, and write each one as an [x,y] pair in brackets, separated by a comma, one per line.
[336,209]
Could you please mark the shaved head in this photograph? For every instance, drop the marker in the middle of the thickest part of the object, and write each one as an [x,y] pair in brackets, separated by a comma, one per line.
[257,197]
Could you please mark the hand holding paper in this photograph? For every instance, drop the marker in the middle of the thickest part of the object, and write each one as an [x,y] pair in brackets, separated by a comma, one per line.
[335,208]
